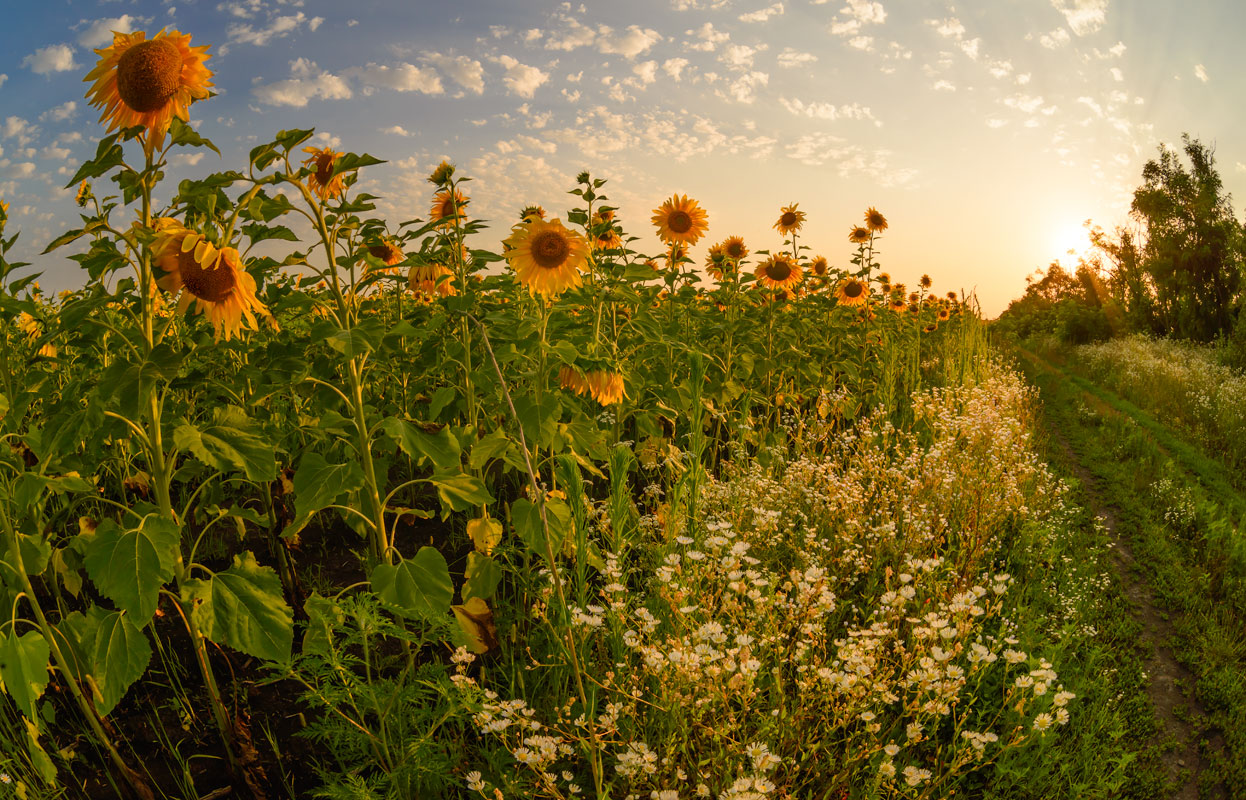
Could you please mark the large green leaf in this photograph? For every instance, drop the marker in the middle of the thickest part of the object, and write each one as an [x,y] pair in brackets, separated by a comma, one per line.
[115,653]
[243,607]
[229,443]
[318,484]
[24,669]
[323,617]
[440,448]
[526,518]
[419,585]
[460,491]
[481,578]
[129,566]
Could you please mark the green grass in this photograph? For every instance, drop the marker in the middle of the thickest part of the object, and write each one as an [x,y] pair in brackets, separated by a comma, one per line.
[1177,507]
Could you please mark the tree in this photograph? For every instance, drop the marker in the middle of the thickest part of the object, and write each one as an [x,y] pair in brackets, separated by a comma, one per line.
[1191,254]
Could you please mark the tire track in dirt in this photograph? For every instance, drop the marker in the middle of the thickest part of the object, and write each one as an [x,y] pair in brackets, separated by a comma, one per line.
[1166,675]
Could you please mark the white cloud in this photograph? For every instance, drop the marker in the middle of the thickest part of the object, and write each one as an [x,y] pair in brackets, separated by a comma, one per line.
[994,122]
[1055,39]
[739,56]
[1000,69]
[693,5]
[950,28]
[466,72]
[970,48]
[53,58]
[674,67]
[1117,75]
[99,33]
[243,33]
[743,89]
[1200,72]
[22,170]
[307,82]
[818,149]
[574,34]
[1083,16]
[794,58]
[762,14]
[3,78]
[865,11]
[710,38]
[396,130]
[521,79]
[54,153]
[188,159]
[647,71]
[827,111]
[865,43]
[19,129]
[1091,104]
[314,23]
[401,78]
[944,86]
[1025,103]
[59,113]
[633,42]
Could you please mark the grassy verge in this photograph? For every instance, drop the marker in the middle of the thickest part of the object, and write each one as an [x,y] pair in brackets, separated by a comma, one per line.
[1176,506]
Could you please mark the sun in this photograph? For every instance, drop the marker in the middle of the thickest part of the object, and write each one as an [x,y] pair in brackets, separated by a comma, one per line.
[1069,236]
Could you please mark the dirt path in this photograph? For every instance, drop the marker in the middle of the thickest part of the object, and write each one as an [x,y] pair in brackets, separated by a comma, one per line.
[1169,679]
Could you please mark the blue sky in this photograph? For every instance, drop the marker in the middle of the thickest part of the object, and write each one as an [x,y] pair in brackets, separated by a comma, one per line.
[985,131]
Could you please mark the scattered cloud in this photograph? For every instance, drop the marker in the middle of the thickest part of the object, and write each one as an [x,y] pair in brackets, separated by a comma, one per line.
[278,27]
[98,33]
[794,58]
[1056,39]
[944,85]
[1200,72]
[634,42]
[828,111]
[521,79]
[396,130]
[306,82]
[744,88]
[19,129]
[400,77]
[762,14]
[674,67]
[465,71]
[709,38]
[1083,16]
[59,113]
[53,58]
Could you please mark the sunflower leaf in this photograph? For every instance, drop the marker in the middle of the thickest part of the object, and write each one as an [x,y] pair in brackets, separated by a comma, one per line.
[460,491]
[318,484]
[350,161]
[108,155]
[292,138]
[440,448]
[243,607]
[114,653]
[420,586]
[229,444]
[183,134]
[24,669]
[129,566]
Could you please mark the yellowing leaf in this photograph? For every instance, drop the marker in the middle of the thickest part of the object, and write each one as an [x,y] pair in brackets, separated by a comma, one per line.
[475,619]
[486,532]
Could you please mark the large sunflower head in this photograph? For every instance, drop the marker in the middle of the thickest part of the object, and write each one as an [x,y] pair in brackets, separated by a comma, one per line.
[447,206]
[209,277]
[852,292]
[874,220]
[789,219]
[818,265]
[546,257]
[570,379]
[734,249]
[779,272]
[148,82]
[322,180]
[859,235]
[681,220]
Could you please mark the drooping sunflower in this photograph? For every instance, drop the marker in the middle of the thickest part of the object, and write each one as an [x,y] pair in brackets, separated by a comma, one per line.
[789,219]
[859,235]
[531,211]
[818,265]
[148,82]
[546,257]
[448,206]
[681,220]
[852,292]
[209,277]
[430,280]
[874,220]
[322,181]
[779,272]
[605,236]
[884,277]
[570,379]
[605,387]
[734,249]
[716,261]
[84,194]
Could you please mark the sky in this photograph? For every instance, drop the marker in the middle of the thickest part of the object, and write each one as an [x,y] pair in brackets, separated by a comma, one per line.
[986,132]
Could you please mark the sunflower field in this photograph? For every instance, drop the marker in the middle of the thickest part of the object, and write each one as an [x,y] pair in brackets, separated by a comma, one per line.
[381,514]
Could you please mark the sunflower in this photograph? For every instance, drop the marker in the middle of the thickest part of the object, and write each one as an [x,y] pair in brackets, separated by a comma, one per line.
[789,219]
[84,194]
[859,235]
[944,313]
[213,278]
[675,255]
[734,249]
[427,280]
[570,379]
[680,220]
[546,257]
[531,211]
[387,251]
[605,387]
[818,265]
[606,236]
[874,220]
[715,261]
[897,304]
[148,83]
[884,277]
[951,296]
[779,272]
[447,207]
[852,292]
[322,181]
[442,174]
